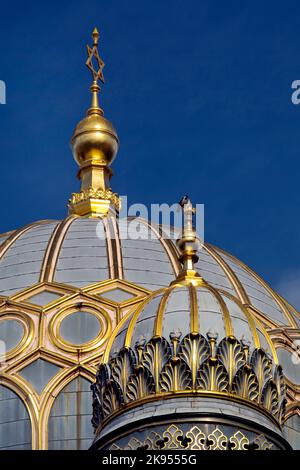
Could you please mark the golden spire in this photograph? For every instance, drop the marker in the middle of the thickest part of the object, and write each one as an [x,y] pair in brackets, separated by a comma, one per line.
[94,144]
[188,246]
[94,59]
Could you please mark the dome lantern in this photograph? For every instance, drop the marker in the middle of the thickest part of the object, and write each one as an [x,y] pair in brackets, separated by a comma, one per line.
[94,144]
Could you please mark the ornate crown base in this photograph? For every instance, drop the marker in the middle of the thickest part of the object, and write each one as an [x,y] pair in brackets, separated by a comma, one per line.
[158,369]
[94,203]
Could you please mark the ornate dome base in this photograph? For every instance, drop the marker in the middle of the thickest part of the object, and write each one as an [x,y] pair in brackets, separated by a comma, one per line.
[191,423]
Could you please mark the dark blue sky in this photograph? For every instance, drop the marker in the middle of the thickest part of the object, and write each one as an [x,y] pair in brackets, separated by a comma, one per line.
[200,93]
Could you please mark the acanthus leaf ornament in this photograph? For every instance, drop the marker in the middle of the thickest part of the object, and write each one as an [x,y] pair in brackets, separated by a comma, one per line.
[157,369]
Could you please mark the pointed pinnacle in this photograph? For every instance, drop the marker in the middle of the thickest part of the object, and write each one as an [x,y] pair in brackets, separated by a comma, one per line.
[95,36]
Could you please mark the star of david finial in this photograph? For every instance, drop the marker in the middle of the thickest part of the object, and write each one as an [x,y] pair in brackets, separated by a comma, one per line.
[94,62]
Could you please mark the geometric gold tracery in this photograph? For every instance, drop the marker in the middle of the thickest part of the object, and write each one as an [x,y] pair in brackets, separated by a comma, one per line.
[40,342]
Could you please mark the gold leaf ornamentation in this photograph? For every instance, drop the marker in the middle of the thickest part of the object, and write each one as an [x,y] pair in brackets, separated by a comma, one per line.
[196,439]
[218,440]
[176,375]
[173,437]
[231,353]
[261,366]
[269,398]
[112,398]
[91,193]
[122,366]
[194,350]
[239,441]
[156,354]
[212,375]
[281,391]
[140,384]
[245,384]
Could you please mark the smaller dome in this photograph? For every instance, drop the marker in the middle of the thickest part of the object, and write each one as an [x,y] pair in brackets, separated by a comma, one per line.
[189,341]
[184,309]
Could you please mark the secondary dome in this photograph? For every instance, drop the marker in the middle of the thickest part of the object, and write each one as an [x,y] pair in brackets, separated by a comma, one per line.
[185,309]
[187,343]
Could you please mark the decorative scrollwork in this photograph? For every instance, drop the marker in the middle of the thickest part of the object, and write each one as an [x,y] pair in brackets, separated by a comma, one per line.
[239,441]
[217,440]
[173,437]
[198,438]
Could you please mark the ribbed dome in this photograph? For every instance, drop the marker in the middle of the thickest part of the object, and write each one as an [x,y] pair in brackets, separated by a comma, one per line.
[85,272]
[75,252]
[182,310]
[186,342]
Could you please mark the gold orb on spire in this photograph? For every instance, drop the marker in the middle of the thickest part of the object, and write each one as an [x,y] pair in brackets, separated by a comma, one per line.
[94,144]
[95,138]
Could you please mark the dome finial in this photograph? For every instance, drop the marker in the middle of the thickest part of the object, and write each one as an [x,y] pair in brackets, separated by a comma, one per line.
[188,245]
[95,64]
[95,144]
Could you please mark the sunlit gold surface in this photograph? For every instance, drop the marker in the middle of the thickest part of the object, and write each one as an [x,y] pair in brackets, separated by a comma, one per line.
[188,246]
[94,144]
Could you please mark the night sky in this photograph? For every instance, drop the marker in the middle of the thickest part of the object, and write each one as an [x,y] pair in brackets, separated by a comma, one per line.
[200,94]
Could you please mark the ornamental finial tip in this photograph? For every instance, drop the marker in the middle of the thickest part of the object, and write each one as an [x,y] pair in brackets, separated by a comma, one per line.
[188,245]
[95,36]
[94,62]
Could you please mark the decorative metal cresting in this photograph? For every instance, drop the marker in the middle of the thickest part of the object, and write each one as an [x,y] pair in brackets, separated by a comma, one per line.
[188,366]
[94,144]
[197,437]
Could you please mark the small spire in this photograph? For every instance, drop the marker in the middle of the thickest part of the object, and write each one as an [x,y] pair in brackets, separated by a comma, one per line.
[95,145]
[188,245]
[95,36]
[95,64]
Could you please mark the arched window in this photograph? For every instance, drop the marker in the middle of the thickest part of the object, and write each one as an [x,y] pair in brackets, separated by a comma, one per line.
[15,426]
[69,424]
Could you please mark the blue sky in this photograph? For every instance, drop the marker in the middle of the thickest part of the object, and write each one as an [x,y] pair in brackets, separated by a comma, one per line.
[200,93]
